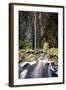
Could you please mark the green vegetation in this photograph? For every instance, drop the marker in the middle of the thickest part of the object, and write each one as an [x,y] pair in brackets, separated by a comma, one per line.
[24,44]
[53,51]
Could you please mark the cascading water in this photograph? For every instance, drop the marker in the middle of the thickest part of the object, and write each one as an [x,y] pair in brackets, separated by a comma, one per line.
[35,31]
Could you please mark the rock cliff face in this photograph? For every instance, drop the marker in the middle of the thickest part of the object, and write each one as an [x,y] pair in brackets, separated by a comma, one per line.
[35,28]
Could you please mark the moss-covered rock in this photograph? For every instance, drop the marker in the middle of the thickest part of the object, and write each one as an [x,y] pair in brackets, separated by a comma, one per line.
[53,51]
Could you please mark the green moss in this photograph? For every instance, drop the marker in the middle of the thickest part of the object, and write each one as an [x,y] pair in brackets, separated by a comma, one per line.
[30,57]
[53,51]
[45,47]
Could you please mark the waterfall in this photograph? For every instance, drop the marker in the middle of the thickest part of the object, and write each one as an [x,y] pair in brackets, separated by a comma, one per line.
[35,31]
